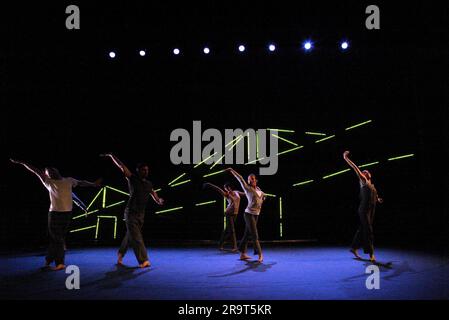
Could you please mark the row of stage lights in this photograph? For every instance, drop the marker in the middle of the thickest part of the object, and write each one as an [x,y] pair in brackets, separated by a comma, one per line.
[307,46]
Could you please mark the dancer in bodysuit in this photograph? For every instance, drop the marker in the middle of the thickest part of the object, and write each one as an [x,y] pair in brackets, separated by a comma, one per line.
[364,237]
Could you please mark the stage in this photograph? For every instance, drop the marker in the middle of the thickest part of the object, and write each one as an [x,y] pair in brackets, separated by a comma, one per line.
[298,272]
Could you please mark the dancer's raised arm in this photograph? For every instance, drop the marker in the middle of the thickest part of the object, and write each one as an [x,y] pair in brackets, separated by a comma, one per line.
[156,198]
[38,172]
[216,188]
[359,173]
[239,178]
[119,164]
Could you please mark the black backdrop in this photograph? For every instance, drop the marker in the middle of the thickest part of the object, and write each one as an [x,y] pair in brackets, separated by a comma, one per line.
[64,102]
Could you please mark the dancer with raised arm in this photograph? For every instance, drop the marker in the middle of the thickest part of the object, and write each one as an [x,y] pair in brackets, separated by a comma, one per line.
[140,189]
[364,237]
[232,210]
[60,212]
[255,198]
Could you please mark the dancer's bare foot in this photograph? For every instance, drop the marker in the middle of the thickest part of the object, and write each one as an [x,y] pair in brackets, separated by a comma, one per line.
[355,253]
[120,259]
[145,264]
[260,260]
[58,267]
[244,256]
[234,250]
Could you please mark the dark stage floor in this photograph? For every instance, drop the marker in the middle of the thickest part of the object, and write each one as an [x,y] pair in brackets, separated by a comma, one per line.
[299,272]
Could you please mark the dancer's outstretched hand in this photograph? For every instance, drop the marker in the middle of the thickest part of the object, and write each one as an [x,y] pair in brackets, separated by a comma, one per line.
[105,155]
[345,154]
[15,161]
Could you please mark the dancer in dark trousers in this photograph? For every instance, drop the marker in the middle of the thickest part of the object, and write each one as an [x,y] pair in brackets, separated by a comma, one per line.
[60,213]
[140,190]
[255,198]
[364,237]
[232,210]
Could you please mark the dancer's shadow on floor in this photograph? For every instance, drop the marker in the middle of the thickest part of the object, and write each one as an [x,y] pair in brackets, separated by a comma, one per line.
[250,266]
[117,277]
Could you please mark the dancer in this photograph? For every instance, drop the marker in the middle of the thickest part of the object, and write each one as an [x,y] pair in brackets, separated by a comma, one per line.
[364,236]
[60,213]
[139,191]
[255,198]
[232,210]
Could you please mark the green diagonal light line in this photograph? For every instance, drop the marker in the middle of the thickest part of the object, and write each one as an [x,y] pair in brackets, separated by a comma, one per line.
[157,190]
[180,183]
[310,133]
[302,183]
[402,157]
[233,146]
[336,173]
[281,130]
[213,173]
[232,141]
[117,190]
[115,204]
[205,203]
[283,139]
[85,214]
[239,138]
[324,139]
[358,125]
[82,229]
[98,227]
[212,166]
[200,163]
[169,210]
[291,150]
[270,195]
[254,161]
[95,198]
[176,179]
[369,164]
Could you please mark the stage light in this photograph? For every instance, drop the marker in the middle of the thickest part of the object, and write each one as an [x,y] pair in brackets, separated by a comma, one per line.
[344,45]
[281,130]
[85,214]
[95,198]
[358,125]
[205,203]
[117,190]
[401,157]
[115,204]
[176,179]
[180,183]
[285,140]
[205,160]
[271,47]
[206,50]
[315,133]
[290,150]
[176,51]
[104,197]
[213,173]
[106,217]
[308,45]
[242,48]
[336,173]
[324,139]
[82,229]
[302,183]
[142,53]
[270,195]
[112,55]
[369,164]
[169,210]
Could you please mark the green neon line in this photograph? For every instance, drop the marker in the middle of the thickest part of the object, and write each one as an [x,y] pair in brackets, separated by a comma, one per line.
[176,179]
[107,217]
[280,229]
[115,228]
[280,208]
[324,139]
[291,150]
[180,183]
[117,190]
[85,214]
[236,143]
[169,210]
[205,203]
[358,125]
[283,139]
[302,183]
[281,130]
[115,204]
[336,173]
[232,141]
[254,161]
[257,144]
[157,190]
[213,173]
[315,133]
[369,164]
[98,227]
[104,198]
[82,229]
[224,207]
[402,157]
[217,162]
[270,195]
[248,147]
[95,198]
[205,160]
